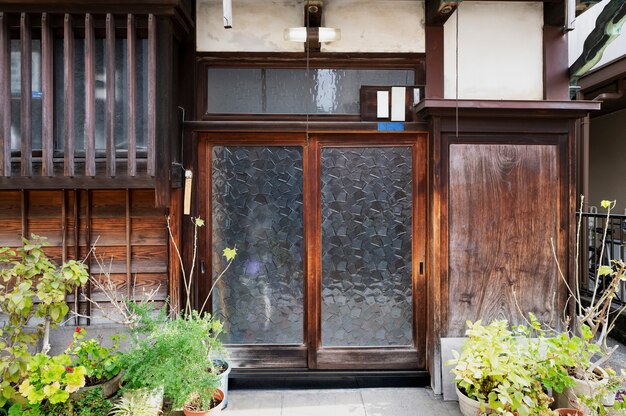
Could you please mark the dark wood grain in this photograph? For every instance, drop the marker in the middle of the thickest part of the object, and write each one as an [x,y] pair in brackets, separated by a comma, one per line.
[5,97]
[152,69]
[262,356]
[68,95]
[26,96]
[47,84]
[109,126]
[503,211]
[128,232]
[131,76]
[90,96]
[367,358]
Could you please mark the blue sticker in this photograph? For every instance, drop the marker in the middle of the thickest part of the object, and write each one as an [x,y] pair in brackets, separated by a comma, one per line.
[390,126]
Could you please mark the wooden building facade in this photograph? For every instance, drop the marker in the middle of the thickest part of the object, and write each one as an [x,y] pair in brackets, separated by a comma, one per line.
[360,248]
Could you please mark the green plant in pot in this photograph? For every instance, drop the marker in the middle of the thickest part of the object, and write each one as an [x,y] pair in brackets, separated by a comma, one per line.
[174,357]
[586,335]
[498,372]
[102,363]
[33,286]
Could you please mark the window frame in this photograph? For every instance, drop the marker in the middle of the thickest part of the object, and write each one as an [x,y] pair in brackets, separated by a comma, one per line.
[290,60]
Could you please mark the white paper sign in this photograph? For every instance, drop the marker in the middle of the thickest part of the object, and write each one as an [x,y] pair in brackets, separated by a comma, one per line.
[398,97]
[382,104]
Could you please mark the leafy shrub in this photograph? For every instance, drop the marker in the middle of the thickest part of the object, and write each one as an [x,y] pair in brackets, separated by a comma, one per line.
[101,363]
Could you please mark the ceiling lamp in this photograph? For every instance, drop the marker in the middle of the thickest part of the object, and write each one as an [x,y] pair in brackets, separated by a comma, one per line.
[312,34]
[319,34]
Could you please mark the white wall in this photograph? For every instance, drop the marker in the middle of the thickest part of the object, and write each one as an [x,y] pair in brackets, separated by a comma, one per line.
[376,25]
[366,25]
[607,145]
[583,25]
[500,51]
[257,26]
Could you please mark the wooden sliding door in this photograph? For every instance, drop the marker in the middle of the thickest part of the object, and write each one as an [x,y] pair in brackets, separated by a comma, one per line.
[331,240]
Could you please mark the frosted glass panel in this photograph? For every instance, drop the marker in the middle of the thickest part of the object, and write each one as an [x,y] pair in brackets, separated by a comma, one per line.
[257,206]
[294,91]
[366,246]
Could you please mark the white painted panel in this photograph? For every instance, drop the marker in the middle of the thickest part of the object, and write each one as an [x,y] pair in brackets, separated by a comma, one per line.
[376,25]
[583,26]
[382,104]
[398,101]
[257,26]
[500,54]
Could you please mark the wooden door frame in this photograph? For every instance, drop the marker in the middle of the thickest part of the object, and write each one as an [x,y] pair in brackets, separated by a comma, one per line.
[310,353]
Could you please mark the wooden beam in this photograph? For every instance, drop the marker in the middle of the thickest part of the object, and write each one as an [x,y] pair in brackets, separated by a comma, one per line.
[76,251]
[129,282]
[151,142]
[131,64]
[110,94]
[90,97]
[47,81]
[24,213]
[64,225]
[438,11]
[165,112]
[88,261]
[26,98]
[68,95]
[175,214]
[5,96]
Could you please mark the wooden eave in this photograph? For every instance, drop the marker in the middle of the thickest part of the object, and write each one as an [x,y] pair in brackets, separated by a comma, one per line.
[506,108]
[181,11]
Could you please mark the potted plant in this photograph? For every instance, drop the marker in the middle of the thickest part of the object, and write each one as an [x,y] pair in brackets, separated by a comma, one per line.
[31,285]
[585,337]
[139,402]
[497,372]
[174,357]
[103,365]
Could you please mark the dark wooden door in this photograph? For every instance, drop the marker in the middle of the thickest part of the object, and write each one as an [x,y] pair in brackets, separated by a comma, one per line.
[331,236]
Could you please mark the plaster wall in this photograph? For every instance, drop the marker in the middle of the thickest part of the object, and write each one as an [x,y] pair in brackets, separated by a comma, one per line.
[607,144]
[500,51]
[366,25]
[583,25]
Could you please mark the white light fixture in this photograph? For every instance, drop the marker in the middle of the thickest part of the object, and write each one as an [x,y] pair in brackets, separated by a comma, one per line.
[325,34]
[295,34]
[329,34]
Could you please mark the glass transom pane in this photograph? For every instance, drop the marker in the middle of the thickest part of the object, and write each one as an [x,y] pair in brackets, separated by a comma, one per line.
[366,246]
[295,90]
[257,206]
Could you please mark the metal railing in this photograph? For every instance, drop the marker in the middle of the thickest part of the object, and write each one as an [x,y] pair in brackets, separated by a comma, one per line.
[593,253]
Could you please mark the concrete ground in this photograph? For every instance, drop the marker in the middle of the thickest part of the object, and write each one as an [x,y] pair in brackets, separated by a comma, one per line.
[340,402]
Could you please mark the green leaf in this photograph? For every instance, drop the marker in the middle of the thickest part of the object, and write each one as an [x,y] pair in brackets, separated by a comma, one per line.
[229,253]
[199,222]
[606,204]
[605,271]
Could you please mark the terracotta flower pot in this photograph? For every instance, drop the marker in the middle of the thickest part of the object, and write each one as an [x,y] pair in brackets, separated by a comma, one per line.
[218,395]
[569,412]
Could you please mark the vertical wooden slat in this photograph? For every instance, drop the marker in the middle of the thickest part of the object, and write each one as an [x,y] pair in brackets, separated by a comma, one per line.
[132,94]
[129,283]
[68,94]
[89,243]
[26,96]
[152,28]
[76,249]
[90,97]
[24,213]
[110,94]
[64,226]
[47,117]
[5,97]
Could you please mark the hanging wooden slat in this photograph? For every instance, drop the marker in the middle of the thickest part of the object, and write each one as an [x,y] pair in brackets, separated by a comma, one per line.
[89,244]
[26,97]
[90,97]
[5,97]
[47,117]
[129,282]
[68,94]
[151,142]
[132,94]
[110,94]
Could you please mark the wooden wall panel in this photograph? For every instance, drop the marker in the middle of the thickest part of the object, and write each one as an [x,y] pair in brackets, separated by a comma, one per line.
[105,220]
[503,209]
